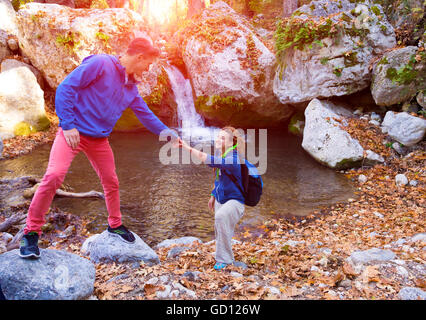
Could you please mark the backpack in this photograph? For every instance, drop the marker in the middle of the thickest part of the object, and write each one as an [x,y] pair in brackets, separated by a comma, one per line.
[252,183]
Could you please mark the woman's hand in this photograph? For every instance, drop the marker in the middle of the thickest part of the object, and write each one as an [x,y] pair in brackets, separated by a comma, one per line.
[72,137]
[211,203]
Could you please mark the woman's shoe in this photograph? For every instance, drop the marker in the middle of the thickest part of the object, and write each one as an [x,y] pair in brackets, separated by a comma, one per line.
[219,265]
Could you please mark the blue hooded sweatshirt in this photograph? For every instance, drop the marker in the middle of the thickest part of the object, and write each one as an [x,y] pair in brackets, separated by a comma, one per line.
[224,188]
[93,97]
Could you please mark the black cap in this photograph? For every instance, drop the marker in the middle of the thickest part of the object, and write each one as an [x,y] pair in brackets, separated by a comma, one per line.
[142,46]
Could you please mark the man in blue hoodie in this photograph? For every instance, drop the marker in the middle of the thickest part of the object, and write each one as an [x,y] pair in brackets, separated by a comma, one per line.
[88,103]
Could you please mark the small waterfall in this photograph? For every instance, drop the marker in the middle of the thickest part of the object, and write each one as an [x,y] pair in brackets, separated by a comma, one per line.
[190,122]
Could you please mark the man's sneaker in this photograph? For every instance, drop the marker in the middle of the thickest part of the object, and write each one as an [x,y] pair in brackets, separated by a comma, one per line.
[122,233]
[29,246]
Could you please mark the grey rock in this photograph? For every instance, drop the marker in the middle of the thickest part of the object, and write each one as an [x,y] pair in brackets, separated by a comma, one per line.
[176,251]
[329,144]
[410,293]
[374,116]
[421,99]
[165,294]
[192,275]
[378,215]
[420,237]
[302,75]
[404,128]
[273,290]
[401,180]
[371,255]
[362,179]
[8,18]
[374,122]
[8,64]
[413,183]
[56,275]
[345,283]
[105,247]
[178,241]
[219,73]
[240,264]
[387,92]
[236,274]
[4,48]
[26,104]
[186,291]
[13,44]
[398,148]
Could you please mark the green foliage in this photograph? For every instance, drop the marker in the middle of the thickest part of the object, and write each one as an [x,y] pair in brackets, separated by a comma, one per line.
[68,40]
[294,32]
[338,71]
[324,60]
[104,38]
[376,10]
[405,74]
[17,4]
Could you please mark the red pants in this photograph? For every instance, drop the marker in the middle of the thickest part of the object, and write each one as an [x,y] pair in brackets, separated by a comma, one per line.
[100,155]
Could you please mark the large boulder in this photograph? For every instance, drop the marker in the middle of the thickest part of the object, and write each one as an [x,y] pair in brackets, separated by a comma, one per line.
[231,69]
[21,103]
[8,64]
[57,275]
[398,75]
[325,47]
[56,38]
[8,18]
[327,142]
[105,247]
[404,128]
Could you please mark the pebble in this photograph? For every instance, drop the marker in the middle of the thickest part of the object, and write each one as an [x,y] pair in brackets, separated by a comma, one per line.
[413,183]
[378,215]
[362,179]
[315,269]
[346,283]
[375,116]
[274,290]
[165,293]
[236,274]
[152,280]
[402,271]
[401,180]
[374,122]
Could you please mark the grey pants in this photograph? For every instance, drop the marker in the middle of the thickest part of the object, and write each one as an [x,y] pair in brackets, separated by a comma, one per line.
[226,217]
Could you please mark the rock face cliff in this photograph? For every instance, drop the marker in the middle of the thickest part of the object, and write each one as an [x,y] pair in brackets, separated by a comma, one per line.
[325,47]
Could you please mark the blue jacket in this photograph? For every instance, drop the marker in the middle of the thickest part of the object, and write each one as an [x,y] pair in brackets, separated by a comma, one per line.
[93,97]
[224,188]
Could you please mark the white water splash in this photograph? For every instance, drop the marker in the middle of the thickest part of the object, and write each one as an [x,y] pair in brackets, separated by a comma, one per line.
[190,122]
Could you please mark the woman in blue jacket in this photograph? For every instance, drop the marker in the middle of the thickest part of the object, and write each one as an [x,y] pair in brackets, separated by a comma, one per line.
[226,199]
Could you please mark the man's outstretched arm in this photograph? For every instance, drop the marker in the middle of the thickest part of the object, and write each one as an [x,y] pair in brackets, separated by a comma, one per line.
[148,118]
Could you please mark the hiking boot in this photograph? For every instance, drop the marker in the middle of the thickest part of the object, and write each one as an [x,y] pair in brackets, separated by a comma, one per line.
[29,246]
[123,233]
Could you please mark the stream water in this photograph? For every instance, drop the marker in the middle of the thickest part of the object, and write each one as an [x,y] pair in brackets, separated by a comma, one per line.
[165,201]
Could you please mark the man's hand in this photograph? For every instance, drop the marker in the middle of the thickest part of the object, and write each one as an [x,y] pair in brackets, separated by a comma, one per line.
[72,137]
[211,203]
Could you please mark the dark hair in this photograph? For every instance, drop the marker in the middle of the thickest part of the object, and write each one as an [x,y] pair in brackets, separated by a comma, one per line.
[142,46]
